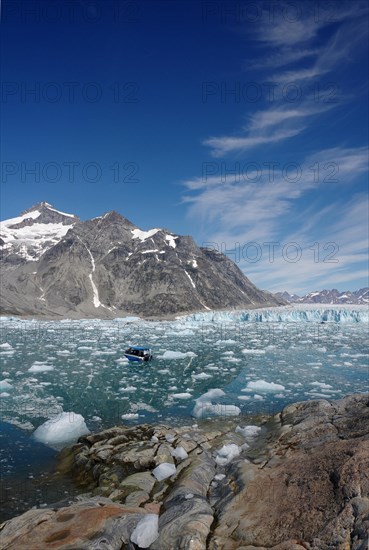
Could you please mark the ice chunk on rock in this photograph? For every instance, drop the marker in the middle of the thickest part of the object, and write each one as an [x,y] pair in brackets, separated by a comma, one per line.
[164,470]
[227,453]
[180,453]
[64,428]
[248,432]
[146,531]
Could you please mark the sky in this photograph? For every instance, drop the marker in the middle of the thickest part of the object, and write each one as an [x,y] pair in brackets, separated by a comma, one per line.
[243,124]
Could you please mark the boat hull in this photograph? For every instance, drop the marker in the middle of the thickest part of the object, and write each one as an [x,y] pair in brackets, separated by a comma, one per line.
[136,359]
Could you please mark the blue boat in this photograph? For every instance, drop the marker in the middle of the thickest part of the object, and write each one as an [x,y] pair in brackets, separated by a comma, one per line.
[138,354]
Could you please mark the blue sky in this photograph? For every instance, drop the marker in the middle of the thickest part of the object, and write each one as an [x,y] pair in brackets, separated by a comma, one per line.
[244,124]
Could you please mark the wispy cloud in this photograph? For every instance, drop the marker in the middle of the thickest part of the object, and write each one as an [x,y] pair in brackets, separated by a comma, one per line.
[266,211]
[283,35]
[326,211]
[222,145]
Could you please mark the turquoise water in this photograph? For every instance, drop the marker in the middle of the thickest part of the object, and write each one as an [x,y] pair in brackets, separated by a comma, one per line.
[261,365]
[88,374]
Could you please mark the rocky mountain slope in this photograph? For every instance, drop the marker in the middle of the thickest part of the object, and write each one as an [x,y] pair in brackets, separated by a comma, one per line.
[360,297]
[53,264]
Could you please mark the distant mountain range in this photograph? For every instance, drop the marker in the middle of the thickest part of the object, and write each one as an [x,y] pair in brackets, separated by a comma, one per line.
[358,297]
[53,264]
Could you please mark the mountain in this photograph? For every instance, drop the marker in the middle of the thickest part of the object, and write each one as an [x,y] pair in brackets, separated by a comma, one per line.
[358,297]
[54,264]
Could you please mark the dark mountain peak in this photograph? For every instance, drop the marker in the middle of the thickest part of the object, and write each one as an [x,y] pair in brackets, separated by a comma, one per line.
[40,206]
[115,217]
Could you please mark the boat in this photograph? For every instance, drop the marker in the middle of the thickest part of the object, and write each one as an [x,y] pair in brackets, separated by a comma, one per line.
[138,353]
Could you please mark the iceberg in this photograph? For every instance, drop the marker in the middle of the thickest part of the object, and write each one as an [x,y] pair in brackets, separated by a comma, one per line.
[4,385]
[204,406]
[64,428]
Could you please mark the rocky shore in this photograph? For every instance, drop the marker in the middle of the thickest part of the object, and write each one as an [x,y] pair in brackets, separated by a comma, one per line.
[298,480]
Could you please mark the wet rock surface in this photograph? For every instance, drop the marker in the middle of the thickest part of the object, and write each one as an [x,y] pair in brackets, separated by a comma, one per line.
[302,482]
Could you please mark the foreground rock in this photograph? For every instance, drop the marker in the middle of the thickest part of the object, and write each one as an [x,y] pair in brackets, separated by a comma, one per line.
[302,482]
[312,490]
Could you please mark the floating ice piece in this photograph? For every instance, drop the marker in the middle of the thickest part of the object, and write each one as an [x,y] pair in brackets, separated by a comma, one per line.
[6,346]
[38,366]
[4,394]
[321,385]
[164,470]
[211,394]
[4,385]
[65,427]
[201,376]
[129,416]
[179,452]
[253,351]
[227,453]
[204,406]
[176,355]
[185,395]
[262,385]
[146,531]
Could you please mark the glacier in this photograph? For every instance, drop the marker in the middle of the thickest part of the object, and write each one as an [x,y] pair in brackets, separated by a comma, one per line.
[286,314]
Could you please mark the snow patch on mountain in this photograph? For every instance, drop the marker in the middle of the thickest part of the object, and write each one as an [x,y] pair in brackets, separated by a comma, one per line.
[143,235]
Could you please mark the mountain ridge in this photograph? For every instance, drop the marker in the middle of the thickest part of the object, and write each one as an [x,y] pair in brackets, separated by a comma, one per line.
[333,296]
[54,264]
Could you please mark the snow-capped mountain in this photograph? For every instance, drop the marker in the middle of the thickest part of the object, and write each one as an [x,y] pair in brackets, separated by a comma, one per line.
[360,297]
[54,264]
[34,231]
